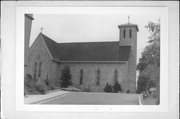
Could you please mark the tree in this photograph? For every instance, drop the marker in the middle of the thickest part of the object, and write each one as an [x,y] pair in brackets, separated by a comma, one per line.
[117,87]
[66,76]
[149,63]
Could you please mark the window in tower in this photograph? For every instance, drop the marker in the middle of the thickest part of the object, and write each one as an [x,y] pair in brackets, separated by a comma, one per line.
[130,33]
[124,33]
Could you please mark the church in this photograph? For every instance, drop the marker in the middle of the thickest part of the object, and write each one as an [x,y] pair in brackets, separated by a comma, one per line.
[92,64]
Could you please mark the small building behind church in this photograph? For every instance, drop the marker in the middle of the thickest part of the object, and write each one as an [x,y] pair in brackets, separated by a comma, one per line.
[92,64]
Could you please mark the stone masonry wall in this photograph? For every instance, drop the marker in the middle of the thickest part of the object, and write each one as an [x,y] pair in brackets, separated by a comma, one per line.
[39,53]
[90,74]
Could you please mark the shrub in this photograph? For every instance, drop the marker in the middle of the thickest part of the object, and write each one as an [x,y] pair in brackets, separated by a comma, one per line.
[42,88]
[117,87]
[29,85]
[66,76]
[86,90]
[28,81]
[108,88]
[53,87]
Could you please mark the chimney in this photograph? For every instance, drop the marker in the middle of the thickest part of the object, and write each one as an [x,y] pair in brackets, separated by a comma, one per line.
[27,29]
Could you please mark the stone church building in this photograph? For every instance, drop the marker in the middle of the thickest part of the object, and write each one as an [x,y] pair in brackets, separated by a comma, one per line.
[92,64]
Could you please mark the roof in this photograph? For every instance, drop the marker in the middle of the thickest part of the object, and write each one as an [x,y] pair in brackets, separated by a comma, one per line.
[128,25]
[87,51]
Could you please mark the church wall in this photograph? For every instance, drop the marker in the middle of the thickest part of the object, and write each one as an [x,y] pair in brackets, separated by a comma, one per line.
[90,74]
[39,54]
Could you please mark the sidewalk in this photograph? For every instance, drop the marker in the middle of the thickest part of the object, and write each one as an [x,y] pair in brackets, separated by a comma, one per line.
[32,99]
[147,100]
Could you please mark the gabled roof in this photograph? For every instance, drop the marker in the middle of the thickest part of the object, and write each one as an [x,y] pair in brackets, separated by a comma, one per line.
[128,25]
[87,51]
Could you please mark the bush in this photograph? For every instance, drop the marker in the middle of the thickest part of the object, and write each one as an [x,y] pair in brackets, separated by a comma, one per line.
[30,86]
[66,76]
[117,87]
[28,81]
[52,88]
[108,88]
[86,90]
[41,88]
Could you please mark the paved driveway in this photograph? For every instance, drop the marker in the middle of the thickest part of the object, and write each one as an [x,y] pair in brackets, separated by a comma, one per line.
[95,99]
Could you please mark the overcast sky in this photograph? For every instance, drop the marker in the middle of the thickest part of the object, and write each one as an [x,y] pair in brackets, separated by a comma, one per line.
[89,27]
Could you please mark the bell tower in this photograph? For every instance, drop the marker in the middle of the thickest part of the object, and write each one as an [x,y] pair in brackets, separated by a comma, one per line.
[128,37]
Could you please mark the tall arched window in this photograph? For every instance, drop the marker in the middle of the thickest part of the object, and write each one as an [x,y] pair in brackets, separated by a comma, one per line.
[130,33]
[39,69]
[115,76]
[98,76]
[47,81]
[81,77]
[35,66]
[124,33]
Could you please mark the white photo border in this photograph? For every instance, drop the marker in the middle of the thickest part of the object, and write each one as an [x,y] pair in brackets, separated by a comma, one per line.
[20,106]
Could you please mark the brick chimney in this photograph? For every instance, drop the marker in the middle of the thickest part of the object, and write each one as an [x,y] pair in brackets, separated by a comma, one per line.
[27,33]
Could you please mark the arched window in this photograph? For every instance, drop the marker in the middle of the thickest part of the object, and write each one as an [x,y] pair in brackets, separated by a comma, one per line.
[124,33]
[35,66]
[39,69]
[130,33]
[98,76]
[115,76]
[47,81]
[81,77]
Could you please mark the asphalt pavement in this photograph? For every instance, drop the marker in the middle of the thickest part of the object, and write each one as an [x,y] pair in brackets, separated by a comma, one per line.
[94,98]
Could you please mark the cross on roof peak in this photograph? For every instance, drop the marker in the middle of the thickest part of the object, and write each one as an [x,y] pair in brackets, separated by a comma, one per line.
[41,29]
[128,19]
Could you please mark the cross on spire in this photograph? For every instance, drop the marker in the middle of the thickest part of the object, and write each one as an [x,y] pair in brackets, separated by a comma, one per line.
[41,29]
[128,19]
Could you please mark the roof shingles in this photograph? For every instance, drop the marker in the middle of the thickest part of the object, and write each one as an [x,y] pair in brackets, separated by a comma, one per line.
[87,51]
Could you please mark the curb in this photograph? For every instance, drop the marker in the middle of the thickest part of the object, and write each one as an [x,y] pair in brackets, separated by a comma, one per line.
[140,102]
[48,98]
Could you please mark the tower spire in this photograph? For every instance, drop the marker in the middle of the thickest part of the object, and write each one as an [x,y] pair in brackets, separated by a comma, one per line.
[128,19]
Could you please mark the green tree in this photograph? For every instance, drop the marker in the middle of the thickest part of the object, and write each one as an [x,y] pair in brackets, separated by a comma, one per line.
[117,87]
[149,63]
[66,76]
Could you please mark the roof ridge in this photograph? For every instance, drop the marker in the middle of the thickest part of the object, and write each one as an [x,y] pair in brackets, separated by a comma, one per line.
[48,38]
[46,45]
[89,42]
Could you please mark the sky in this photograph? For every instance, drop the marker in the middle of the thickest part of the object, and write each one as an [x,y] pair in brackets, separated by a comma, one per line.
[89,27]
